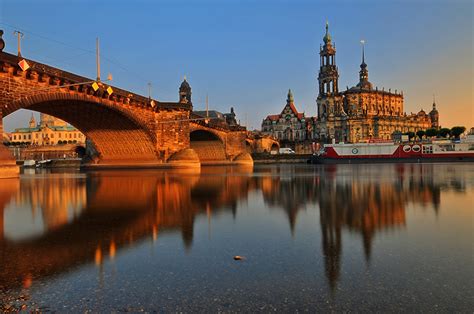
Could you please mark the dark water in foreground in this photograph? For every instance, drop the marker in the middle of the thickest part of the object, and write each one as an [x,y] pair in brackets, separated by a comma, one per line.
[347,237]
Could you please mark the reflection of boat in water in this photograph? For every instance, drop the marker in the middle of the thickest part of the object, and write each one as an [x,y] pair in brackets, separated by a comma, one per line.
[389,152]
[43,163]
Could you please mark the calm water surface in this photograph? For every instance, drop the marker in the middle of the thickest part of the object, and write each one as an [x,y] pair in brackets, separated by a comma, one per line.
[346,237]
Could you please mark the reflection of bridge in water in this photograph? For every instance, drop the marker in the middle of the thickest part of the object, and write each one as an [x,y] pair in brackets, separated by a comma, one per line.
[118,209]
[90,218]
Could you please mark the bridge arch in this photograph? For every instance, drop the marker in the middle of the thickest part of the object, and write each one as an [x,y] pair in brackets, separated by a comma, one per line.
[208,146]
[275,147]
[116,133]
[249,146]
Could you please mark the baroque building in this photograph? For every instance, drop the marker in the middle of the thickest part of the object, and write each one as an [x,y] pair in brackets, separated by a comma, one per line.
[290,125]
[49,131]
[361,112]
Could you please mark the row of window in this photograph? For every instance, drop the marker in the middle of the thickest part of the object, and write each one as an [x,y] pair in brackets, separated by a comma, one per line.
[379,100]
[290,135]
[18,137]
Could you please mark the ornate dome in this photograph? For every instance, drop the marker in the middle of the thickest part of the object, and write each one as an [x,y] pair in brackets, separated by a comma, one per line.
[2,42]
[184,86]
[364,85]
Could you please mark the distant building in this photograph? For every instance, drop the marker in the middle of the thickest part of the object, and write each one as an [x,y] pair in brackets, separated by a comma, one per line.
[289,125]
[5,138]
[361,112]
[50,131]
[216,116]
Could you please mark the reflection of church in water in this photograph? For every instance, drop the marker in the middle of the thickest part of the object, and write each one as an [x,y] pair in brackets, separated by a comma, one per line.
[149,205]
[363,208]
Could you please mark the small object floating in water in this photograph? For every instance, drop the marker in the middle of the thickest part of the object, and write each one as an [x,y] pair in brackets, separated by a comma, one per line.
[238,258]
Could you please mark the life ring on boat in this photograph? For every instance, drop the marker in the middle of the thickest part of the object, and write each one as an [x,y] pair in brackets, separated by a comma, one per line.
[406,148]
[416,148]
[355,150]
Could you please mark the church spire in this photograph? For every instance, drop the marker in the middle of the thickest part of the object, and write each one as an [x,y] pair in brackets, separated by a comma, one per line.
[32,121]
[363,52]
[434,115]
[327,36]
[364,73]
[290,98]
[328,74]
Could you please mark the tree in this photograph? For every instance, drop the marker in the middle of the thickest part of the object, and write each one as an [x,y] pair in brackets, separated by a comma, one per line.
[420,134]
[444,132]
[410,135]
[431,132]
[80,151]
[457,130]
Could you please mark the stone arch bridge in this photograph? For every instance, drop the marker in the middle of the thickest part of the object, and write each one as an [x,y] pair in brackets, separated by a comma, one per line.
[125,129]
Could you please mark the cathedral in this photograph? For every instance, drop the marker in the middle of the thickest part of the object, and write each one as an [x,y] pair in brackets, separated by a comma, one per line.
[361,112]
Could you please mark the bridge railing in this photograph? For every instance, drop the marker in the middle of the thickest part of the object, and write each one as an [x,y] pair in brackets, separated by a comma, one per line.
[58,78]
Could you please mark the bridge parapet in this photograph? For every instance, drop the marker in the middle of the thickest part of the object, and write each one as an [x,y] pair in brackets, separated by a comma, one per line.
[51,77]
[124,128]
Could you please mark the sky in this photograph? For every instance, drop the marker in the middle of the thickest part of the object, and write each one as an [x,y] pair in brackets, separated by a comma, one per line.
[247,54]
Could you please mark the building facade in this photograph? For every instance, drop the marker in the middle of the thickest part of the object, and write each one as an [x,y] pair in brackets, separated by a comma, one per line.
[289,125]
[361,112]
[49,131]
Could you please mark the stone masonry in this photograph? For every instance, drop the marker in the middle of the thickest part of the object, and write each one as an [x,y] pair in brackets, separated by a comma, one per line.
[124,128]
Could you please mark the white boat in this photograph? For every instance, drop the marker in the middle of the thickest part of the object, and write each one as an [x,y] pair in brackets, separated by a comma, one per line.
[30,163]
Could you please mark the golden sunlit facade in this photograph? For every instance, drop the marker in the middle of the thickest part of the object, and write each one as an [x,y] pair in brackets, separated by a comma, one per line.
[50,131]
[362,112]
[289,125]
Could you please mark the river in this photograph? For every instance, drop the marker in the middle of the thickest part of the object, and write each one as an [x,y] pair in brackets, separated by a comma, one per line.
[391,237]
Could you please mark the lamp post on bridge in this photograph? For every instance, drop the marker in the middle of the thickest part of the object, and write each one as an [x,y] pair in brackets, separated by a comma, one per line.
[19,36]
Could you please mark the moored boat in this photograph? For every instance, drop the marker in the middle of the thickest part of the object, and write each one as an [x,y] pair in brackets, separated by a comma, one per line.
[390,152]
[29,163]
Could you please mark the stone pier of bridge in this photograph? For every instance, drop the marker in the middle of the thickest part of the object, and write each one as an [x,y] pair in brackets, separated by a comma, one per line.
[8,167]
[123,129]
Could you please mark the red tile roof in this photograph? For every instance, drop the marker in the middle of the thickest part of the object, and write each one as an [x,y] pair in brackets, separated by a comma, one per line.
[295,112]
[276,117]
[273,117]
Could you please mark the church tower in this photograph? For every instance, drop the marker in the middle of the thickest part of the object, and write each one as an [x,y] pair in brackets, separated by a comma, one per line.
[32,123]
[364,72]
[434,116]
[185,92]
[329,101]
[328,75]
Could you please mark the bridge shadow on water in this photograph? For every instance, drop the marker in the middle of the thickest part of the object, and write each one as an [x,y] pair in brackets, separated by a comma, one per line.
[84,218]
